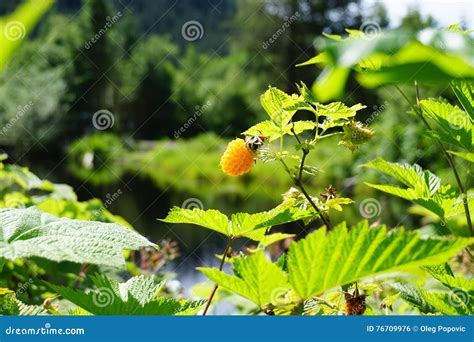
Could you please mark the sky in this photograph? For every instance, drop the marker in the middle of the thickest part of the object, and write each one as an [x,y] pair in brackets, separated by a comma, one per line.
[445,12]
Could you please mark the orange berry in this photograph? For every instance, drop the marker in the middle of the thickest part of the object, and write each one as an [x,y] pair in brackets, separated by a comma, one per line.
[237,159]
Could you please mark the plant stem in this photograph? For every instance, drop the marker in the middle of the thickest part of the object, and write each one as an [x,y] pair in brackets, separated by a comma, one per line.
[299,183]
[447,155]
[221,266]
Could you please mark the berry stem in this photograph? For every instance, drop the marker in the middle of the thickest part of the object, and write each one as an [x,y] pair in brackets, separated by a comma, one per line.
[299,183]
[221,266]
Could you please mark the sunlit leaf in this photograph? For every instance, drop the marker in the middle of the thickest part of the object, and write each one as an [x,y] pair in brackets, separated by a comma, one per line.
[323,261]
[259,280]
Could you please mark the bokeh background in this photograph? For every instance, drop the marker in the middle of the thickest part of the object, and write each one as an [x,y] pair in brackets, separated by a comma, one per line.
[134,101]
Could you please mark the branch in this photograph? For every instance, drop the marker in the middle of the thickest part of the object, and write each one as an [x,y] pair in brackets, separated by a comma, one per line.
[221,266]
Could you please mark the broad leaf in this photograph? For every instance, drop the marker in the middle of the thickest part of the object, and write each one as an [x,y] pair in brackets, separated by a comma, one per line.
[465,93]
[272,132]
[259,280]
[29,232]
[274,101]
[454,125]
[138,296]
[423,188]
[323,261]
[240,224]
[338,110]
[15,26]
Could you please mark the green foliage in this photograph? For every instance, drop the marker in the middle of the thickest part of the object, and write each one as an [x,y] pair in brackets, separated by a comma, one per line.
[10,305]
[456,300]
[321,262]
[256,279]
[137,296]
[454,126]
[423,188]
[349,255]
[90,158]
[27,233]
[392,58]
[19,23]
[252,226]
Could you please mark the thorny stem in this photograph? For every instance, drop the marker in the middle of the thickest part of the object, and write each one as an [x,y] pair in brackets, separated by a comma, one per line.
[418,112]
[298,182]
[214,290]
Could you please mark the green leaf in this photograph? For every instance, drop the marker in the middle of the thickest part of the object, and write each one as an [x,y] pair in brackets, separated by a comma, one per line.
[323,261]
[448,303]
[420,183]
[137,296]
[266,128]
[259,280]
[434,56]
[330,83]
[274,101]
[465,93]
[17,25]
[211,219]
[469,156]
[28,233]
[454,126]
[241,224]
[413,295]
[424,188]
[338,110]
[266,240]
[272,132]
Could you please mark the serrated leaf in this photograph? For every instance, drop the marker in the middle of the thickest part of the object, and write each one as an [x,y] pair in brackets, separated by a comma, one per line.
[424,187]
[241,224]
[323,261]
[465,93]
[135,297]
[454,125]
[272,132]
[412,295]
[266,128]
[211,219]
[274,101]
[267,239]
[338,110]
[259,280]
[469,156]
[423,183]
[31,233]
[448,303]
